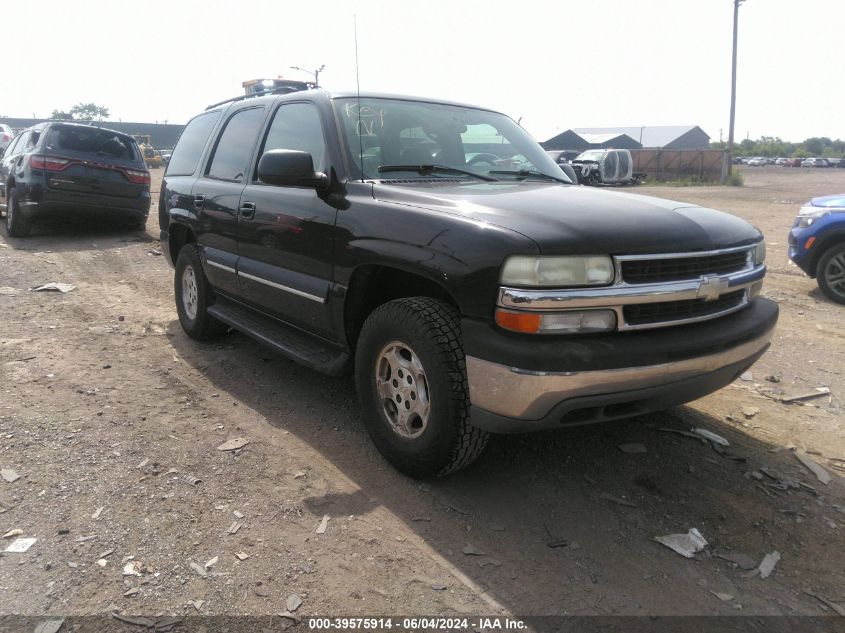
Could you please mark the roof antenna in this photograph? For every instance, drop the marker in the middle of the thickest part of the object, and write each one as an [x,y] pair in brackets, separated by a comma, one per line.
[358,87]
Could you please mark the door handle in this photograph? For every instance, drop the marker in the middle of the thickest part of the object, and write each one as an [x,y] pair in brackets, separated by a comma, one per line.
[247,210]
[199,202]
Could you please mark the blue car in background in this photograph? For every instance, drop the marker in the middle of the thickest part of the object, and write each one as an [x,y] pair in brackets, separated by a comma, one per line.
[817,243]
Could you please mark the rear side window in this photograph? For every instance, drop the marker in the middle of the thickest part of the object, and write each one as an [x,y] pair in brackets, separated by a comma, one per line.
[186,155]
[23,140]
[93,141]
[235,145]
[15,142]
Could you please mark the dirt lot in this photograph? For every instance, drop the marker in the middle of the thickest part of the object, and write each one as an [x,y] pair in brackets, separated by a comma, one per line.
[106,406]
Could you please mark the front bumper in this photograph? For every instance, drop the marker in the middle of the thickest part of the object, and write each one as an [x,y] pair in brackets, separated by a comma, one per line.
[614,376]
[798,252]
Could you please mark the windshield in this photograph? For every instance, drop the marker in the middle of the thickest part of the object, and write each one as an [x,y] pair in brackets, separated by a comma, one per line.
[594,154]
[395,133]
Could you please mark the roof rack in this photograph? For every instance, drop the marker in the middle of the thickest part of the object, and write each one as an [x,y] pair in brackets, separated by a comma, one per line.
[279,90]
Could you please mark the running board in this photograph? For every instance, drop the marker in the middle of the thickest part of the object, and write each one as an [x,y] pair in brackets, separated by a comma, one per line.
[297,345]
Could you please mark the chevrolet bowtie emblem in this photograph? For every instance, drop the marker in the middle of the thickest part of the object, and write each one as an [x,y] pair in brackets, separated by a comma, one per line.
[709,287]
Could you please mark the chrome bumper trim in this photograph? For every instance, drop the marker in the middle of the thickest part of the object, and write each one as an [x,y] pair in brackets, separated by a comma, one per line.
[529,395]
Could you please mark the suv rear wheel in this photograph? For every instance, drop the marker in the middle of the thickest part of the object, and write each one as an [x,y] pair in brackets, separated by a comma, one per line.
[193,296]
[831,273]
[16,224]
[410,374]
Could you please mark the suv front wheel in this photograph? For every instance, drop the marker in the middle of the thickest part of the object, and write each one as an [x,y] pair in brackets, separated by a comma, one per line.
[831,273]
[410,374]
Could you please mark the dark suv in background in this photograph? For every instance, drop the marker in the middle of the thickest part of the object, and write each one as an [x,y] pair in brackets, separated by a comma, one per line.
[55,169]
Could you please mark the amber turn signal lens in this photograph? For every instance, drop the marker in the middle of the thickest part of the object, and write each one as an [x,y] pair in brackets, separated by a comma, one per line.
[809,243]
[518,321]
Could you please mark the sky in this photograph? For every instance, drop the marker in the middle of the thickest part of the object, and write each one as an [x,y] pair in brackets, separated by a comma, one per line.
[552,64]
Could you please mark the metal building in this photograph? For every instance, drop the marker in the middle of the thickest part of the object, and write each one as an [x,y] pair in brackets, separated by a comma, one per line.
[647,136]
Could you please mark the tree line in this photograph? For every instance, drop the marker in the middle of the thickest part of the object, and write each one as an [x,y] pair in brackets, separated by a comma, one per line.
[82,112]
[774,146]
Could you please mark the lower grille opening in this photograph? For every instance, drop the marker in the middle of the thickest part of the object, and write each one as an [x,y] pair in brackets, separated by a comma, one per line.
[648,313]
[619,410]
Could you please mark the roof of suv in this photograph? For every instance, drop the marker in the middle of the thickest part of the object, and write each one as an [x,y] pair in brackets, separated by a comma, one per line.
[293,96]
[87,125]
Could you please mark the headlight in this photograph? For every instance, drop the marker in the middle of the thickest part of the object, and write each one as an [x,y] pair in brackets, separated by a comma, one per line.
[586,270]
[760,253]
[810,214]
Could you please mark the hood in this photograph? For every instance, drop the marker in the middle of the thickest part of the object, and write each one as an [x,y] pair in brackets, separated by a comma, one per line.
[579,220]
[830,202]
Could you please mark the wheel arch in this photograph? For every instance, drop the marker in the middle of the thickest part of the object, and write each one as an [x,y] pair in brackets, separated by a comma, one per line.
[823,243]
[373,285]
[179,235]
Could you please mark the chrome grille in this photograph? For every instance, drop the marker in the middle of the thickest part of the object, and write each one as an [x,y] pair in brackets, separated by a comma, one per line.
[659,290]
[665,311]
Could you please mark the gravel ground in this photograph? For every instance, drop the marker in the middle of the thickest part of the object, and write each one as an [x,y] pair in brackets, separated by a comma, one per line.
[109,415]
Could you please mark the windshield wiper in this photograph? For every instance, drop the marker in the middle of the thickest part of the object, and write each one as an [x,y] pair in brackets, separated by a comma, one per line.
[439,169]
[525,173]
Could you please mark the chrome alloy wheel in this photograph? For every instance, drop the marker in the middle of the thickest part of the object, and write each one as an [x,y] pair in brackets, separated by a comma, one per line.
[834,274]
[403,389]
[190,298]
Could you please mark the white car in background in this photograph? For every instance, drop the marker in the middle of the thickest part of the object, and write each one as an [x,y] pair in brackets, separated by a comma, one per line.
[815,162]
[757,162]
[6,136]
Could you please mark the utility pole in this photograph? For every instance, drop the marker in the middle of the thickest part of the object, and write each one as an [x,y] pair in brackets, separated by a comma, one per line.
[733,89]
[314,73]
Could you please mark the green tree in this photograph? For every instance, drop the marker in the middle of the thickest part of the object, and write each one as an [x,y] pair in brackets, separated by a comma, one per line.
[816,145]
[89,112]
[775,146]
[82,112]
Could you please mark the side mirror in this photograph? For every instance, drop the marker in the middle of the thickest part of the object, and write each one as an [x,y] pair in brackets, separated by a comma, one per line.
[291,168]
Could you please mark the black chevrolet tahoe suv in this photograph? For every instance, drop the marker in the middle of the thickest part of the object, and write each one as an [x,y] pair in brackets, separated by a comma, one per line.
[439,253]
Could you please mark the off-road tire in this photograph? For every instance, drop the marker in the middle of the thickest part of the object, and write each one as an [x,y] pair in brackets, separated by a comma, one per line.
[431,328]
[832,264]
[201,326]
[16,224]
